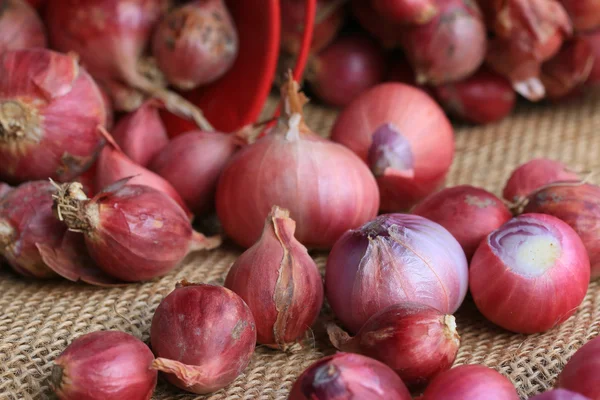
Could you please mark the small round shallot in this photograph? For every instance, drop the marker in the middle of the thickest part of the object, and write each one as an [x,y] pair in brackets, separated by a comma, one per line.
[216,329]
[530,275]
[416,341]
[348,376]
[581,372]
[20,26]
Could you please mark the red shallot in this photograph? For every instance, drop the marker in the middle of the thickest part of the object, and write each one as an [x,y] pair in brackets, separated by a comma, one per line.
[394,258]
[103,365]
[193,162]
[579,206]
[416,341]
[348,376]
[326,188]
[469,213]
[530,275]
[132,232]
[482,98]
[585,14]
[50,110]
[386,32]
[407,11]
[279,281]
[581,372]
[473,382]
[533,175]
[216,329]
[560,394]
[345,69]
[195,43]
[404,136]
[20,26]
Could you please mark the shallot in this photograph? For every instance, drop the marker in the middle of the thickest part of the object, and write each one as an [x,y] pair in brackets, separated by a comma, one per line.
[20,26]
[132,232]
[404,136]
[279,281]
[216,329]
[407,11]
[348,376]
[103,365]
[560,394]
[581,372]
[50,110]
[416,341]
[326,188]
[391,259]
[469,213]
[530,275]
[386,32]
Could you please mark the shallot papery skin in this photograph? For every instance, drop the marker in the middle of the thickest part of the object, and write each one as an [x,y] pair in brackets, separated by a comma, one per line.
[473,382]
[141,134]
[585,14]
[407,11]
[192,163]
[593,40]
[467,212]
[195,43]
[530,275]
[104,365]
[560,394]
[280,282]
[404,136]
[579,206]
[448,48]
[216,329]
[20,26]
[133,232]
[326,188]
[581,372]
[349,377]
[391,259]
[482,98]
[50,110]
[533,175]
[416,341]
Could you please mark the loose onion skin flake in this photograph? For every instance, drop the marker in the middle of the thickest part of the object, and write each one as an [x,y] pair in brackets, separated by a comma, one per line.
[416,341]
[560,394]
[349,376]
[580,375]
[215,327]
[530,275]
[391,259]
[467,212]
[50,110]
[404,136]
[473,382]
[20,26]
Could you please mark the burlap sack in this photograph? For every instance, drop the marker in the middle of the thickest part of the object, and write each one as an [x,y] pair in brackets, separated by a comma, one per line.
[37,320]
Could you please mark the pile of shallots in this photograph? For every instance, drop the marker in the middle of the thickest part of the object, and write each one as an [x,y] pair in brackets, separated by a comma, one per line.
[473,56]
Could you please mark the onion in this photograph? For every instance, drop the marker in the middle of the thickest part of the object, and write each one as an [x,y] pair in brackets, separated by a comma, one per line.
[581,372]
[579,206]
[50,109]
[328,21]
[193,162]
[458,26]
[141,135]
[559,394]
[473,382]
[394,258]
[20,26]
[111,45]
[480,99]
[133,232]
[326,188]
[416,341]
[593,40]
[533,175]
[195,43]
[530,275]
[280,283]
[346,68]
[386,32]
[407,11]
[348,376]
[526,33]
[467,212]
[113,165]
[103,365]
[215,327]
[405,119]
[585,14]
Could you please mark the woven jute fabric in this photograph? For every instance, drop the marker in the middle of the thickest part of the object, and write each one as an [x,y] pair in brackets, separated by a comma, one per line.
[39,319]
